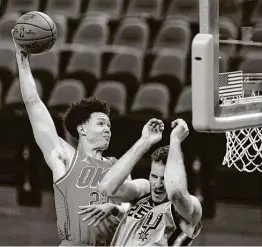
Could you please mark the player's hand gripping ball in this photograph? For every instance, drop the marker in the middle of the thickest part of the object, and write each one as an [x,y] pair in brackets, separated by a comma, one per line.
[180,130]
[153,130]
[35,32]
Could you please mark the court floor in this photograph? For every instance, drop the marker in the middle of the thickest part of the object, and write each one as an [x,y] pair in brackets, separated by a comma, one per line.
[25,226]
[21,231]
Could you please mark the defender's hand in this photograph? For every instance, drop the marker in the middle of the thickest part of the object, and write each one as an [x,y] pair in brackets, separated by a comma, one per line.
[180,131]
[153,130]
[97,213]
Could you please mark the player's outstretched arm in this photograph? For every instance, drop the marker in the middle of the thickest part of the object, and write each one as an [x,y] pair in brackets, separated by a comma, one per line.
[53,148]
[115,183]
[96,213]
[186,205]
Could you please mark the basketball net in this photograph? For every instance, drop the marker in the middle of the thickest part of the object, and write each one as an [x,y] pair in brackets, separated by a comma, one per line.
[244,146]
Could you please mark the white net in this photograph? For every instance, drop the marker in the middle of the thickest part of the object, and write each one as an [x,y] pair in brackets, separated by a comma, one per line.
[244,147]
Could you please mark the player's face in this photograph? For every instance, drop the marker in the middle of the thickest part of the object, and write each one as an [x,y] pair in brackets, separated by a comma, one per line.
[156,179]
[98,131]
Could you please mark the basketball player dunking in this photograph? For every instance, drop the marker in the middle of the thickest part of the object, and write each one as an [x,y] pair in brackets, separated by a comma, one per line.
[76,173]
[163,213]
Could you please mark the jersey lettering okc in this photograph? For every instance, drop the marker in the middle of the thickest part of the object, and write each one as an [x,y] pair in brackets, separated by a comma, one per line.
[146,225]
[79,187]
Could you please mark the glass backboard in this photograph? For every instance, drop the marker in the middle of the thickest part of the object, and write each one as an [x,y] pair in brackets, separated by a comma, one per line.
[227,66]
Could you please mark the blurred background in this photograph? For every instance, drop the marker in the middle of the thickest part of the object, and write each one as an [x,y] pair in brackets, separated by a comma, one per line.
[136,54]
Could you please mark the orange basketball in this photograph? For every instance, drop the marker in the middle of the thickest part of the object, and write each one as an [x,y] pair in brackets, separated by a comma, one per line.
[35,32]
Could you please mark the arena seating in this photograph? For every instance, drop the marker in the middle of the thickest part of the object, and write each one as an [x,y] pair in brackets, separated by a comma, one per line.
[133,53]
[114,93]
[15,6]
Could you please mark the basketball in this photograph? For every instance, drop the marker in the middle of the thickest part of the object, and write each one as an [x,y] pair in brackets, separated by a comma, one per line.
[35,32]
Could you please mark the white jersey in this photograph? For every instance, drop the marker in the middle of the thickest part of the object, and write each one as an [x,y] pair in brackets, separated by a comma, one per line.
[145,225]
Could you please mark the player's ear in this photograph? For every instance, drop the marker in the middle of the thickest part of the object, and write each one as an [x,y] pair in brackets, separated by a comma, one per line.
[81,129]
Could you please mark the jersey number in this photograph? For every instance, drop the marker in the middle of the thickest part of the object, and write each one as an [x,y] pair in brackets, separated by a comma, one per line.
[97,198]
[139,211]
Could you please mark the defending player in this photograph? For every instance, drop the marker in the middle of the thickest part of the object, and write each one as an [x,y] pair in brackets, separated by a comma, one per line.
[163,212]
[76,173]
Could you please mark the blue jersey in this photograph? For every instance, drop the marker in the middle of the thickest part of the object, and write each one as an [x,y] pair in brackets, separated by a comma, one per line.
[79,187]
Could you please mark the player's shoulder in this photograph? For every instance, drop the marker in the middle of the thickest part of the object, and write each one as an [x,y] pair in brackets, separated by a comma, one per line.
[166,207]
[60,158]
[197,213]
[142,185]
[197,206]
[143,199]
[68,150]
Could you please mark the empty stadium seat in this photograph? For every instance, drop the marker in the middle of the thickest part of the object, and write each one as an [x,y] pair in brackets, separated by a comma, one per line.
[1,94]
[8,59]
[185,10]
[92,31]
[18,6]
[133,33]
[7,23]
[62,29]
[145,8]
[63,94]
[114,93]
[256,37]
[174,34]
[251,63]
[67,8]
[112,9]
[232,9]
[152,97]
[45,67]
[47,62]
[86,60]
[257,14]
[184,103]
[227,30]
[257,32]
[170,63]
[14,95]
[66,92]
[126,65]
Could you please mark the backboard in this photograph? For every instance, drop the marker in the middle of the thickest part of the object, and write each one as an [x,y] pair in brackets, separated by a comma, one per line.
[227,50]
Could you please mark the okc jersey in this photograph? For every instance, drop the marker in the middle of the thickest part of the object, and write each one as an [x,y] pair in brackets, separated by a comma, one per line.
[145,225]
[79,187]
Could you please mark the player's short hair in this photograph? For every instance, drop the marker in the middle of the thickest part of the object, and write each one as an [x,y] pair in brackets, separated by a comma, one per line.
[80,112]
[160,155]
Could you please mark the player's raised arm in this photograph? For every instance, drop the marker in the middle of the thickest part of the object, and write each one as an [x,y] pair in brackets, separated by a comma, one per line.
[44,130]
[115,183]
[186,205]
